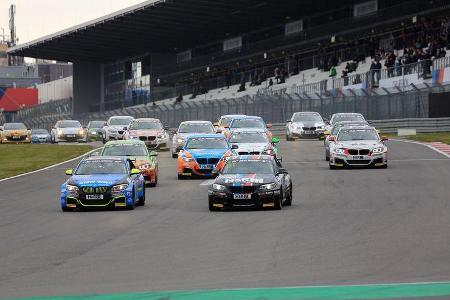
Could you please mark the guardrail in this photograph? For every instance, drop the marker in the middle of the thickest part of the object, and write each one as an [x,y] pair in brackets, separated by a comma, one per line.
[422,125]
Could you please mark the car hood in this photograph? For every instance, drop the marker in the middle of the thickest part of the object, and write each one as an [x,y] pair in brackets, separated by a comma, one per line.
[369,144]
[250,129]
[97,180]
[244,179]
[72,130]
[251,147]
[40,135]
[185,136]
[207,153]
[146,132]
[308,124]
[16,132]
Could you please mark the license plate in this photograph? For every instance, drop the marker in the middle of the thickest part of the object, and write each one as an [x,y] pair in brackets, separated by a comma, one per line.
[206,167]
[151,143]
[242,196]
[309,132]
[357,157]
[16,137]
[70,135]
[94,197]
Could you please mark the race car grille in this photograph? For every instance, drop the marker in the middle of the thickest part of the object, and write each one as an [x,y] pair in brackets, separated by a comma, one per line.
[309,128]
[358,162]
[249,153]
[243,189]
[358,152]
[147,138]
[210,161]
[16,138]
[95,190]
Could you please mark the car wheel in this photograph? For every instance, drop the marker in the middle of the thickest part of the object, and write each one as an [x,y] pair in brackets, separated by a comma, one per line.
[332,167]
[66,209]
[288,138]
[327,157]
[181,177]
[279,202]
[174,155]
[133,204]
[384,166]
[141,201]
[153,184]
[288,201]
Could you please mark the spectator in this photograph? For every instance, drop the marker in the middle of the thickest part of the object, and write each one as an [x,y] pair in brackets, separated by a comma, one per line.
[333,71]
[243,81]
[178,99]
[375,69]
[389,63]
[277,74]
[345,76]
[270,82]
[398,67]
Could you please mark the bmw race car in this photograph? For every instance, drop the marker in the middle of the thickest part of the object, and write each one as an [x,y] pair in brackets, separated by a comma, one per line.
[150,131]
[40,136]
[187,129]
[251,123]
[334,131]
[358,146]
[100,182]
[256,181]
[203,154]
[341,117]
[137,152]
[223,124]
[247,142]
[305,125]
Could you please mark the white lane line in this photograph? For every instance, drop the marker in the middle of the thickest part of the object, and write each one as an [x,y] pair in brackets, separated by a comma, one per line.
[423,144]
[49,167]
[207,182]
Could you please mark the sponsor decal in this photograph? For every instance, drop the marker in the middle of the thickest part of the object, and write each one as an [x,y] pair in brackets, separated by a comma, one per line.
[244,180]
[95,190]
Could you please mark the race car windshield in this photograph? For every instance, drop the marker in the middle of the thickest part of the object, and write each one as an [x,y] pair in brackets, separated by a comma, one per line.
[357,135]
[139,125]
[14,126]
[248,137]
[39,131]
[125,150]
[307,118]
[196,128]
[338,126]
[340,118]
[120,121]
[247,123]
[225,121]
[248,167]
[69,124]
[96,124]
[97,167]
[206,143]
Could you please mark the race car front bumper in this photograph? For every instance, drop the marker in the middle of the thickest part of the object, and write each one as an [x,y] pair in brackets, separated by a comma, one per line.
[150,175]
[78,200]
[308,134]
[227,199]
[16,140]
[374,160]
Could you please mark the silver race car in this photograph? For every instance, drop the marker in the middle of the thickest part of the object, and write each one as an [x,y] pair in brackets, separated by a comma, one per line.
[305,125]
[334,131]
[358,147]
[185,130]
[68,131]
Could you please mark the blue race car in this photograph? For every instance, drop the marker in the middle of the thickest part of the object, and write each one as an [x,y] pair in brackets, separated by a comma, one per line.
[202,154]
[100,182]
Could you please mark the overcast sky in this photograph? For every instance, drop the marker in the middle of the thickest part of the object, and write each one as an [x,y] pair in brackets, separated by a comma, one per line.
[37,18]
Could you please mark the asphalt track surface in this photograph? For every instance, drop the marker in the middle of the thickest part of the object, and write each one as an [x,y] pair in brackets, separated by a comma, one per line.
[345,227]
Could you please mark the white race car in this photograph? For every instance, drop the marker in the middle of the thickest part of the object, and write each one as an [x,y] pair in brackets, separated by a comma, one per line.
[115,128]
[358,147]
[185,130]
[305,125]
[68,131]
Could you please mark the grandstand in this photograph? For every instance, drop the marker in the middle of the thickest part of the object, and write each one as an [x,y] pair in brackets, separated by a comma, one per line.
[204,50]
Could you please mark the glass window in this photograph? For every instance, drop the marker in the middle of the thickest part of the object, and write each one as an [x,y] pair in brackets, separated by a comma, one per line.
[307,117]
[357,134]
[93,167]
[248,167]
[39,131]
[249,137]
[247,123]
[196,128]
[14,126]
[120,121]
[69,124]
[207,143]
[142,125]
[96,124]
[125,150]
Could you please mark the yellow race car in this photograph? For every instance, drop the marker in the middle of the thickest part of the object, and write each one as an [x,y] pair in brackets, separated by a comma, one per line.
[15,133]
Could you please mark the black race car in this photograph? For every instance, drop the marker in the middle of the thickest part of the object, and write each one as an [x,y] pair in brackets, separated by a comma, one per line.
[256,181]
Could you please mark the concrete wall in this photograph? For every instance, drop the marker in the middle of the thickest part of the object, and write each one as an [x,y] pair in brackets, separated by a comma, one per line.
[56,90]
[87,86]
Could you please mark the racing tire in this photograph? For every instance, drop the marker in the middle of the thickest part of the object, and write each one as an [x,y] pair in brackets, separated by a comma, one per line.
[66,209]
[288,138]
[332,167]
[181,177]
[384,166]
[133,205]
[288,201]
[174,155]
[153,184]
[141,201]
[327,158]
[278,205]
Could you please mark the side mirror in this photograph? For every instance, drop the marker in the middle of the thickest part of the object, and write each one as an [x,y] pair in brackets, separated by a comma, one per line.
[135,171]
[327,132]
[69,172]
[166,127]
[153,153]
[384,138]
[282,171]
[275,140]
[269,125]
[332,139]
[234,146]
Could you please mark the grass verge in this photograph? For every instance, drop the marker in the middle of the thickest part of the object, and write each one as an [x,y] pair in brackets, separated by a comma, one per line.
[18,159]
[443,137]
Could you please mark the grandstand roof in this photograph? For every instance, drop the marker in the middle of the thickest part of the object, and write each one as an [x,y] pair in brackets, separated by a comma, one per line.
[166,26]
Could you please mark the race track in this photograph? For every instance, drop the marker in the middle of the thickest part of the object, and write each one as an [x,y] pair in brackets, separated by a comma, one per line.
[345,227]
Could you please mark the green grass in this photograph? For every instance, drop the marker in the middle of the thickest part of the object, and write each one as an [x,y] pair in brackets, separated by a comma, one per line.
[18,159]
[443,137]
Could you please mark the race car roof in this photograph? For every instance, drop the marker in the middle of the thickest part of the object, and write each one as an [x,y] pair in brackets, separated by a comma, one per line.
[252,157]
[207,136]
[160,26]
[106,158]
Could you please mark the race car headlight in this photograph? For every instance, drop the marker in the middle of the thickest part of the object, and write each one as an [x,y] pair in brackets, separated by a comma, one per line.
[72,188]
[81,132]
[187,159]
[378,150]
[180,141]
[60,132]
[218,187]
[339,151]
[144,167]
[162,136]
[133,137]
[269,152]
[267,187]
[119,188]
